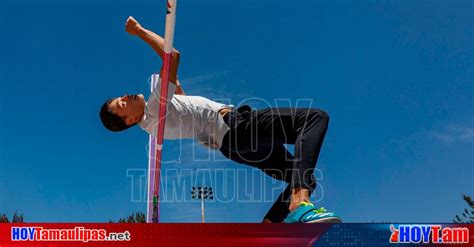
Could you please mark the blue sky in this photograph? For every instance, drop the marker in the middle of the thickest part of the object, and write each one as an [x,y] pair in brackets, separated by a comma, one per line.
[395,77]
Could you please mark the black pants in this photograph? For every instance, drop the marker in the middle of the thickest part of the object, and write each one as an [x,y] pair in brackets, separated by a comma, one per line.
[257,138]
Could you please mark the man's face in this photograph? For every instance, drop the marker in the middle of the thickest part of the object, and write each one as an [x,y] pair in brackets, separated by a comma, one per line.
[129,107]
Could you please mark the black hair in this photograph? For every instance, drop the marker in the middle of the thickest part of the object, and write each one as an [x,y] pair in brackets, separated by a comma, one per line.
[110,120]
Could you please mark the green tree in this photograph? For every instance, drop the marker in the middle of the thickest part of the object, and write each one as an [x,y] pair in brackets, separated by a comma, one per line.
[468,215]
[4,219]
[17,218]
[138,217]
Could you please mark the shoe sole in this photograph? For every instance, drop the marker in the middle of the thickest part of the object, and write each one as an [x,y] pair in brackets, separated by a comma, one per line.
[326,220]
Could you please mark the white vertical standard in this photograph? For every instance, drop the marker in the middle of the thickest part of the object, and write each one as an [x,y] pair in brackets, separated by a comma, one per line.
[151,161]
[168,49]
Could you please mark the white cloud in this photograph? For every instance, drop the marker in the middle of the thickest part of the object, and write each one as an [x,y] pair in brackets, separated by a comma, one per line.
[221,85]
[416,141]
[204,77]
[454,133]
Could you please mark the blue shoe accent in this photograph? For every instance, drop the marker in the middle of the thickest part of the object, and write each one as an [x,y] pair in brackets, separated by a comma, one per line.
[307,213]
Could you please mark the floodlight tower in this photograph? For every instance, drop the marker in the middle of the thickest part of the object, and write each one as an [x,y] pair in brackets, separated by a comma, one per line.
[202,193]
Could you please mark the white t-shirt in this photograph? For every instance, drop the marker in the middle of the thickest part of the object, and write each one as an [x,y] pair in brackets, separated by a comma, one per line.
[186,117]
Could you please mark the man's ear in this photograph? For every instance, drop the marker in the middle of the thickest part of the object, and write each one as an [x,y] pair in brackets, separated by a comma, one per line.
[129,121]
[137,119]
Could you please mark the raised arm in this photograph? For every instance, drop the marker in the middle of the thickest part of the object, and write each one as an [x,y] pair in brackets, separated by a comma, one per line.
[157,43]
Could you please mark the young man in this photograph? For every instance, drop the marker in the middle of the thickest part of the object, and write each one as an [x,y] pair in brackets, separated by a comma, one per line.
[252,137]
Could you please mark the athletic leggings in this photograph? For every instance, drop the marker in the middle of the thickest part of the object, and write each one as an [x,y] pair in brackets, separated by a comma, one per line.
[257,138]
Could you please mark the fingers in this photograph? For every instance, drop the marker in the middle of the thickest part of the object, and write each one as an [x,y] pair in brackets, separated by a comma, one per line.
[128,22]
[131,21]
[131,25]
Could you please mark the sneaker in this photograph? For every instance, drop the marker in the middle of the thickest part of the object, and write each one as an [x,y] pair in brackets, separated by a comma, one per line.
[307,213]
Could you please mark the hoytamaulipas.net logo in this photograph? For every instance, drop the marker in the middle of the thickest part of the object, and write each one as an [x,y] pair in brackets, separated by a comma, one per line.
[434,234]
[74,234]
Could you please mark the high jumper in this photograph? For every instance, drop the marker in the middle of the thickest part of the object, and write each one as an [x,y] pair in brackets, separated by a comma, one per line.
[235,132]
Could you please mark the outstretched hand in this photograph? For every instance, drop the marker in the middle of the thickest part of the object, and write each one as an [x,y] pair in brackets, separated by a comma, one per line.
[132,26]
